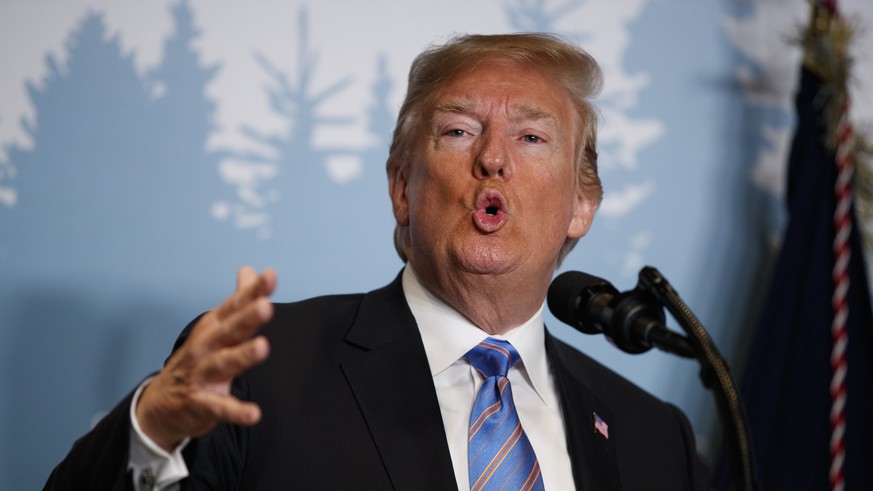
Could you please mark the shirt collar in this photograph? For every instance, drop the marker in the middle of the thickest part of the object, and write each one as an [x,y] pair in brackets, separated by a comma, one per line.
[447,335]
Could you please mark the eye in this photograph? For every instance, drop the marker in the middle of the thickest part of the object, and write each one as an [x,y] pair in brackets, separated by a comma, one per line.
[532,139]
[456,132]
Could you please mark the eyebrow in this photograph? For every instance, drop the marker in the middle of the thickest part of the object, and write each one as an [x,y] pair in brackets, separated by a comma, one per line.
[527,111]
[460,106]
[521,111]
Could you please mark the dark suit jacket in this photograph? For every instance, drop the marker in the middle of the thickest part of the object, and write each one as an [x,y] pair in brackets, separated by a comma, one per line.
[348,403]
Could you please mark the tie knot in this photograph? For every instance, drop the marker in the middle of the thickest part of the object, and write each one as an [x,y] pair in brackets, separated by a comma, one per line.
[493,357]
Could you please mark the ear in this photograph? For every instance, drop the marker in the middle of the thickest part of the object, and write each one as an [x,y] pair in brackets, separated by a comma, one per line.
[397,181]
[583,216]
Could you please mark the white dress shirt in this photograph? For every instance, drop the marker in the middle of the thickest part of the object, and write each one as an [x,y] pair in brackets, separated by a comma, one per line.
[447,337]
[153,467]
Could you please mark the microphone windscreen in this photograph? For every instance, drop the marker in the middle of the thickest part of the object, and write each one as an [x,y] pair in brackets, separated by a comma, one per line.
[563,297]
[570,296]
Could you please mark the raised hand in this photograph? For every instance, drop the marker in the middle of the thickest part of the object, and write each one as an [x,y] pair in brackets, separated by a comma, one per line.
[192,392]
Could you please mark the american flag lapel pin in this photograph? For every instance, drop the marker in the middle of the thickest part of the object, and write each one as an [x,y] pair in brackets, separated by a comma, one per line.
[600,426]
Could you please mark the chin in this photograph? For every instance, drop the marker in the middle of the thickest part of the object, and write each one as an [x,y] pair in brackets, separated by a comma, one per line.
[486,260]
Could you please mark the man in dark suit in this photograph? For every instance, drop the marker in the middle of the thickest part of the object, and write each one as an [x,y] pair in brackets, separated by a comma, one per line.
[492,177]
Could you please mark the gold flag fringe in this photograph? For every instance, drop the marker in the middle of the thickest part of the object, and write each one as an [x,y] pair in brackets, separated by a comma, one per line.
[825,44]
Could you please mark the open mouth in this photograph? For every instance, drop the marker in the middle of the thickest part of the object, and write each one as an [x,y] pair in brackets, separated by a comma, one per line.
[490,213]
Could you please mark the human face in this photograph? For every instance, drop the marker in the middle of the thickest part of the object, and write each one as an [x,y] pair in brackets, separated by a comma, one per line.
[490,188]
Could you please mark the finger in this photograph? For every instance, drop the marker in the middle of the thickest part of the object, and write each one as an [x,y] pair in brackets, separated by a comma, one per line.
[268,278]
[240,325]
[245,276]
[248,278]
[249,289]
[228,408]
[230,362]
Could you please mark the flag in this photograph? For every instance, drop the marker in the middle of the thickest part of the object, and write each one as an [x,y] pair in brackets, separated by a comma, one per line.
[600,426]
[788,378]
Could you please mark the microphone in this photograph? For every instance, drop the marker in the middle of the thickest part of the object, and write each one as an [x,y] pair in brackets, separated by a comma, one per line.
[633,321]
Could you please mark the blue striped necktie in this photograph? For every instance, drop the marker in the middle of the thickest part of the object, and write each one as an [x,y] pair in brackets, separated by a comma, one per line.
[500,455]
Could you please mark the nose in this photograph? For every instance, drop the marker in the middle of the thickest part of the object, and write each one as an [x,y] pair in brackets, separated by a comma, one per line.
[493,160]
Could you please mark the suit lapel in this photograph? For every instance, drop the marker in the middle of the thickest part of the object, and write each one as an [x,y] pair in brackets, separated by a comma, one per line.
[591,453]
[392,383]
[393,386]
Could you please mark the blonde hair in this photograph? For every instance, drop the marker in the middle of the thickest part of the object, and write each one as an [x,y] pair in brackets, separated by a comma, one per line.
[568,65]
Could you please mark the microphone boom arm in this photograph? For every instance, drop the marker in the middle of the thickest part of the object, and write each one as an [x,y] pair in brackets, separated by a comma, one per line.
[634,322]
[715,374]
